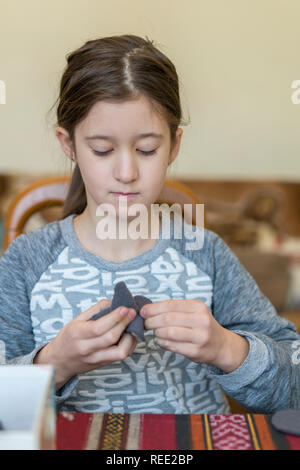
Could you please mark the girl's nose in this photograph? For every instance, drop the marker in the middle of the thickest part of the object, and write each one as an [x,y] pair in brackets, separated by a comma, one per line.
[126,168]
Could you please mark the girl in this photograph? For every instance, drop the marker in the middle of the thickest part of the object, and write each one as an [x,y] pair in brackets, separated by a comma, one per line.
[209,329]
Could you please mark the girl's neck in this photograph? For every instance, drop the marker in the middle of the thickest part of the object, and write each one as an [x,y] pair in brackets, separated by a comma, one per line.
[112,249]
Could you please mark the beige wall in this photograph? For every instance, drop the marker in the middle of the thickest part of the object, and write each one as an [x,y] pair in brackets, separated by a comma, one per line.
[236,59]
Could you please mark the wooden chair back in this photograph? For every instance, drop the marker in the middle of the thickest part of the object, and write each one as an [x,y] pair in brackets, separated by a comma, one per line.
[52,191]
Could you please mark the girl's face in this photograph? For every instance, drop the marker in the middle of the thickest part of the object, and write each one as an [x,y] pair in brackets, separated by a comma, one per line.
[122,148]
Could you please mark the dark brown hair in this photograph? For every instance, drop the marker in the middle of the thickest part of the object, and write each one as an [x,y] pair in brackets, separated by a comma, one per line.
[116,68]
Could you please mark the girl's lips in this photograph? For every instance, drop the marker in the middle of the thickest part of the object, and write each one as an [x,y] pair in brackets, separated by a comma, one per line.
[127,195]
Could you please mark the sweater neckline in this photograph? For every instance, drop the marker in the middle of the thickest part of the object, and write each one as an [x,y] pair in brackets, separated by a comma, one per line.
[69,234]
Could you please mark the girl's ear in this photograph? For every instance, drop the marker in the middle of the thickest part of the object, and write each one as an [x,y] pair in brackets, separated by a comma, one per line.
[65,142]
[176,146]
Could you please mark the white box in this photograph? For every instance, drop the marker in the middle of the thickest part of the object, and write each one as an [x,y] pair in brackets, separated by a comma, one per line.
[27,407]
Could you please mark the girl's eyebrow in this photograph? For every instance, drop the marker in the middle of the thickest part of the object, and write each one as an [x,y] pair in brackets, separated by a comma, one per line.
[107,137]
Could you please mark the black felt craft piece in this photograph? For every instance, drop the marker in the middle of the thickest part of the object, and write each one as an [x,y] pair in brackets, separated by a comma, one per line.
[123,296]
[287,421]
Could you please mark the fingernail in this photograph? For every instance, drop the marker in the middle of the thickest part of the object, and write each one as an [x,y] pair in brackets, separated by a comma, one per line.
[142,312]
[123,311]
[131,314]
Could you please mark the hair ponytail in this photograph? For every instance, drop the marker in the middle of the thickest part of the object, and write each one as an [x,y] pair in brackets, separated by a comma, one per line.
[76,198]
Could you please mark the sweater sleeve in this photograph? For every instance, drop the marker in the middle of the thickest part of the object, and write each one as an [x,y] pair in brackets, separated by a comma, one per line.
[17,344]
[269,378]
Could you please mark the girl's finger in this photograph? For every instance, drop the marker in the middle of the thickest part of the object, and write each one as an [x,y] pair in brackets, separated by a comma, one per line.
[185,349]
[107,339]
[115,353]
[92,329]
[172,305]
[98,307]
[127,344]
[183,319]
[178,334]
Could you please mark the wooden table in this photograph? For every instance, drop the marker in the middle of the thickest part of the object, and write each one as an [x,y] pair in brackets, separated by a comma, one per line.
[108,431]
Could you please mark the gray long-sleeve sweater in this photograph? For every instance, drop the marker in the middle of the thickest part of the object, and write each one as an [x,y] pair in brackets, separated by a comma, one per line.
[47,278]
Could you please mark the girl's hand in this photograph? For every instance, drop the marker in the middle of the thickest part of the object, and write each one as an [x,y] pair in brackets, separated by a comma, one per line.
[82,345]
[187,327]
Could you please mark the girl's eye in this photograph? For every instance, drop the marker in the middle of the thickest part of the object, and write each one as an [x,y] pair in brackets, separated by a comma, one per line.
[150,152]
[101,153]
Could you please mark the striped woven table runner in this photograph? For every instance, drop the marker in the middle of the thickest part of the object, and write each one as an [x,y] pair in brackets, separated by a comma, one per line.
[108,431]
